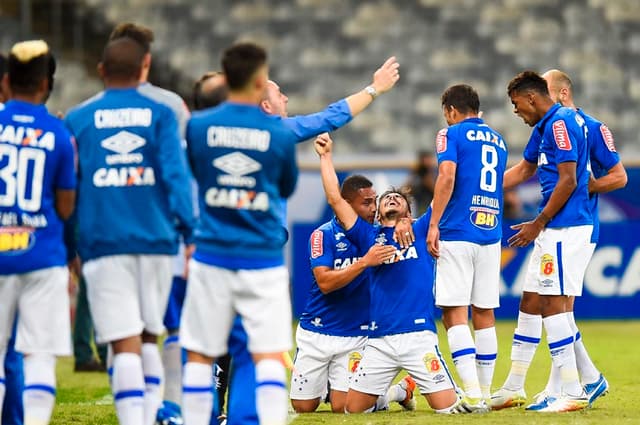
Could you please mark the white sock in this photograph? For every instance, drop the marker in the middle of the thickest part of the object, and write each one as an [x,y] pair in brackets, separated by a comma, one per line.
[463,352]
[486,354]
[525,342]
[589,373]
[39,394]
[554,384]
[271,392]
[127,385]
[197,393]
[153,377]
[395,393]
[560,338]
[172,362]
[3,353]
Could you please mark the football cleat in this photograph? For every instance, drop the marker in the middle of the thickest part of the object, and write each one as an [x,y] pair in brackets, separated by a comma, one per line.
[473,405]
[504,398]
[169,414]
[567,404]
[409,385]
[596,389]
[542,400]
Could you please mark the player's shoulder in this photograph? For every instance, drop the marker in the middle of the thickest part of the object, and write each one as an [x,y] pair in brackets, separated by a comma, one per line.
[81,107]
[164,96]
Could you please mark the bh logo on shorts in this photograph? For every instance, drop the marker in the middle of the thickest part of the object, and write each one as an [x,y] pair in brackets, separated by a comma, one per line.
[16,240]
[354,361]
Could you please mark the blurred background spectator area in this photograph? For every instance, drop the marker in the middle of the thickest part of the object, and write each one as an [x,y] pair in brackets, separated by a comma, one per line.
[321,50]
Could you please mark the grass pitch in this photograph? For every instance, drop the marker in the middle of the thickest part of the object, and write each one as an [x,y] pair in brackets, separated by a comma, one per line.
[614,346]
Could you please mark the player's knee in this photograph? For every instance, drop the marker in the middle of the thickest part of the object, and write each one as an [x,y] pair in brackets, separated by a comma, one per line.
[305,406]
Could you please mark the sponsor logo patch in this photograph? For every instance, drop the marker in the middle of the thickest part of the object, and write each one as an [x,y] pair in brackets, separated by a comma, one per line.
[441,140]
[316,244]
[608,137]
[561,135]
[432,362]
[354,361]
[484,220]
[16,240]
[547,264]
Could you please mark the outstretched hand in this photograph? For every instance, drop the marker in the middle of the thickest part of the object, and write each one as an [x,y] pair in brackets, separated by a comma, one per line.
[323,144]
[387,75]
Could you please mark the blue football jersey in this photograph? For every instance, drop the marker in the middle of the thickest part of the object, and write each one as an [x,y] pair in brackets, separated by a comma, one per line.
[474,212]
[244,163]
[402,289]
[134,185]
[343,312]
[563,139]
[603,157]
[36,158]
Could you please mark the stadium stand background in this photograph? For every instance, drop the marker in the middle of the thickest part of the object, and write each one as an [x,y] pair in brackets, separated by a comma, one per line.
[323,49]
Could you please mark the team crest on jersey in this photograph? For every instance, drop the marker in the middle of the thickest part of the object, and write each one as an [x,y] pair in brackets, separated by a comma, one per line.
[316,243]
[547,264]
[381,239]
[608,137]
[441,140]
[16,240]
[354,361]
[561,135]
[432,362]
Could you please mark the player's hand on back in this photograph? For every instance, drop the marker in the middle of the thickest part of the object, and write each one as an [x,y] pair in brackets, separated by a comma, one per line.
[386,76]
[322,144]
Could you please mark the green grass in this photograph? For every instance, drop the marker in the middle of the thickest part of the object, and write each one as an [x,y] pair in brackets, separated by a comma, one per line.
[84,398]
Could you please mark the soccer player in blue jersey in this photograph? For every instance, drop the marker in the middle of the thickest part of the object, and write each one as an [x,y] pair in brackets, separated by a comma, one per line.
[171,351]
[464,237]
[135,201]
[38,192]
[609,174]
[334,325]
[562,232]
[244,163]
[402,328]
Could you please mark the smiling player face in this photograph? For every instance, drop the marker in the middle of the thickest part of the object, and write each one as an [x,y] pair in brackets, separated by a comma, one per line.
[391,206]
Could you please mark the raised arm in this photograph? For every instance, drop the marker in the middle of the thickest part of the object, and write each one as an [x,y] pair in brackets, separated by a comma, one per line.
[346,215]
[384,79]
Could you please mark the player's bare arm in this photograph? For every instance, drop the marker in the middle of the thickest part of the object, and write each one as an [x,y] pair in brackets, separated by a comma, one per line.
[65,203]
[518,174]
[403,232]
[330,280]
[529,230]
[346,215]
[615,178]
[442,194]
[384,79]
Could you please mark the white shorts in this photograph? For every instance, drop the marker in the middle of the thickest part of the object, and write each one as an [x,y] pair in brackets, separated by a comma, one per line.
[128,294]
[41,300]
[468,274]
[320,358]
[214,296]
[559,260]
[416,352]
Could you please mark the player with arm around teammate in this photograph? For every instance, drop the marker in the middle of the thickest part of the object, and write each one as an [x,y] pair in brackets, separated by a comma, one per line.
[609,174]
[39,181]
[464,237]
[402,329]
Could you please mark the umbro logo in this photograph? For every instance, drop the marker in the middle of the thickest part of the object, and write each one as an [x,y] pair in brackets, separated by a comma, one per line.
[237,164]
[123,142]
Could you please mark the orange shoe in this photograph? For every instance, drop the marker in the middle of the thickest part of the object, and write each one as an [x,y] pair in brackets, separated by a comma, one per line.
[409,385]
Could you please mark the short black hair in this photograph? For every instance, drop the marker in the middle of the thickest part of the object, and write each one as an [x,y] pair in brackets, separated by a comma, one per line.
[352,184]
[240,62]
[208,98]
[528,81]
[463,97]
[139,33]
[122,59]
[29,63]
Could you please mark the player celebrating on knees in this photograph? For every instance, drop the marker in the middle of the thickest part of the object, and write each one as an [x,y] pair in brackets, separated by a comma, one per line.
[244,163]
[135,200]
[562,232]
[39,183]
[402,329]
[464,236]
